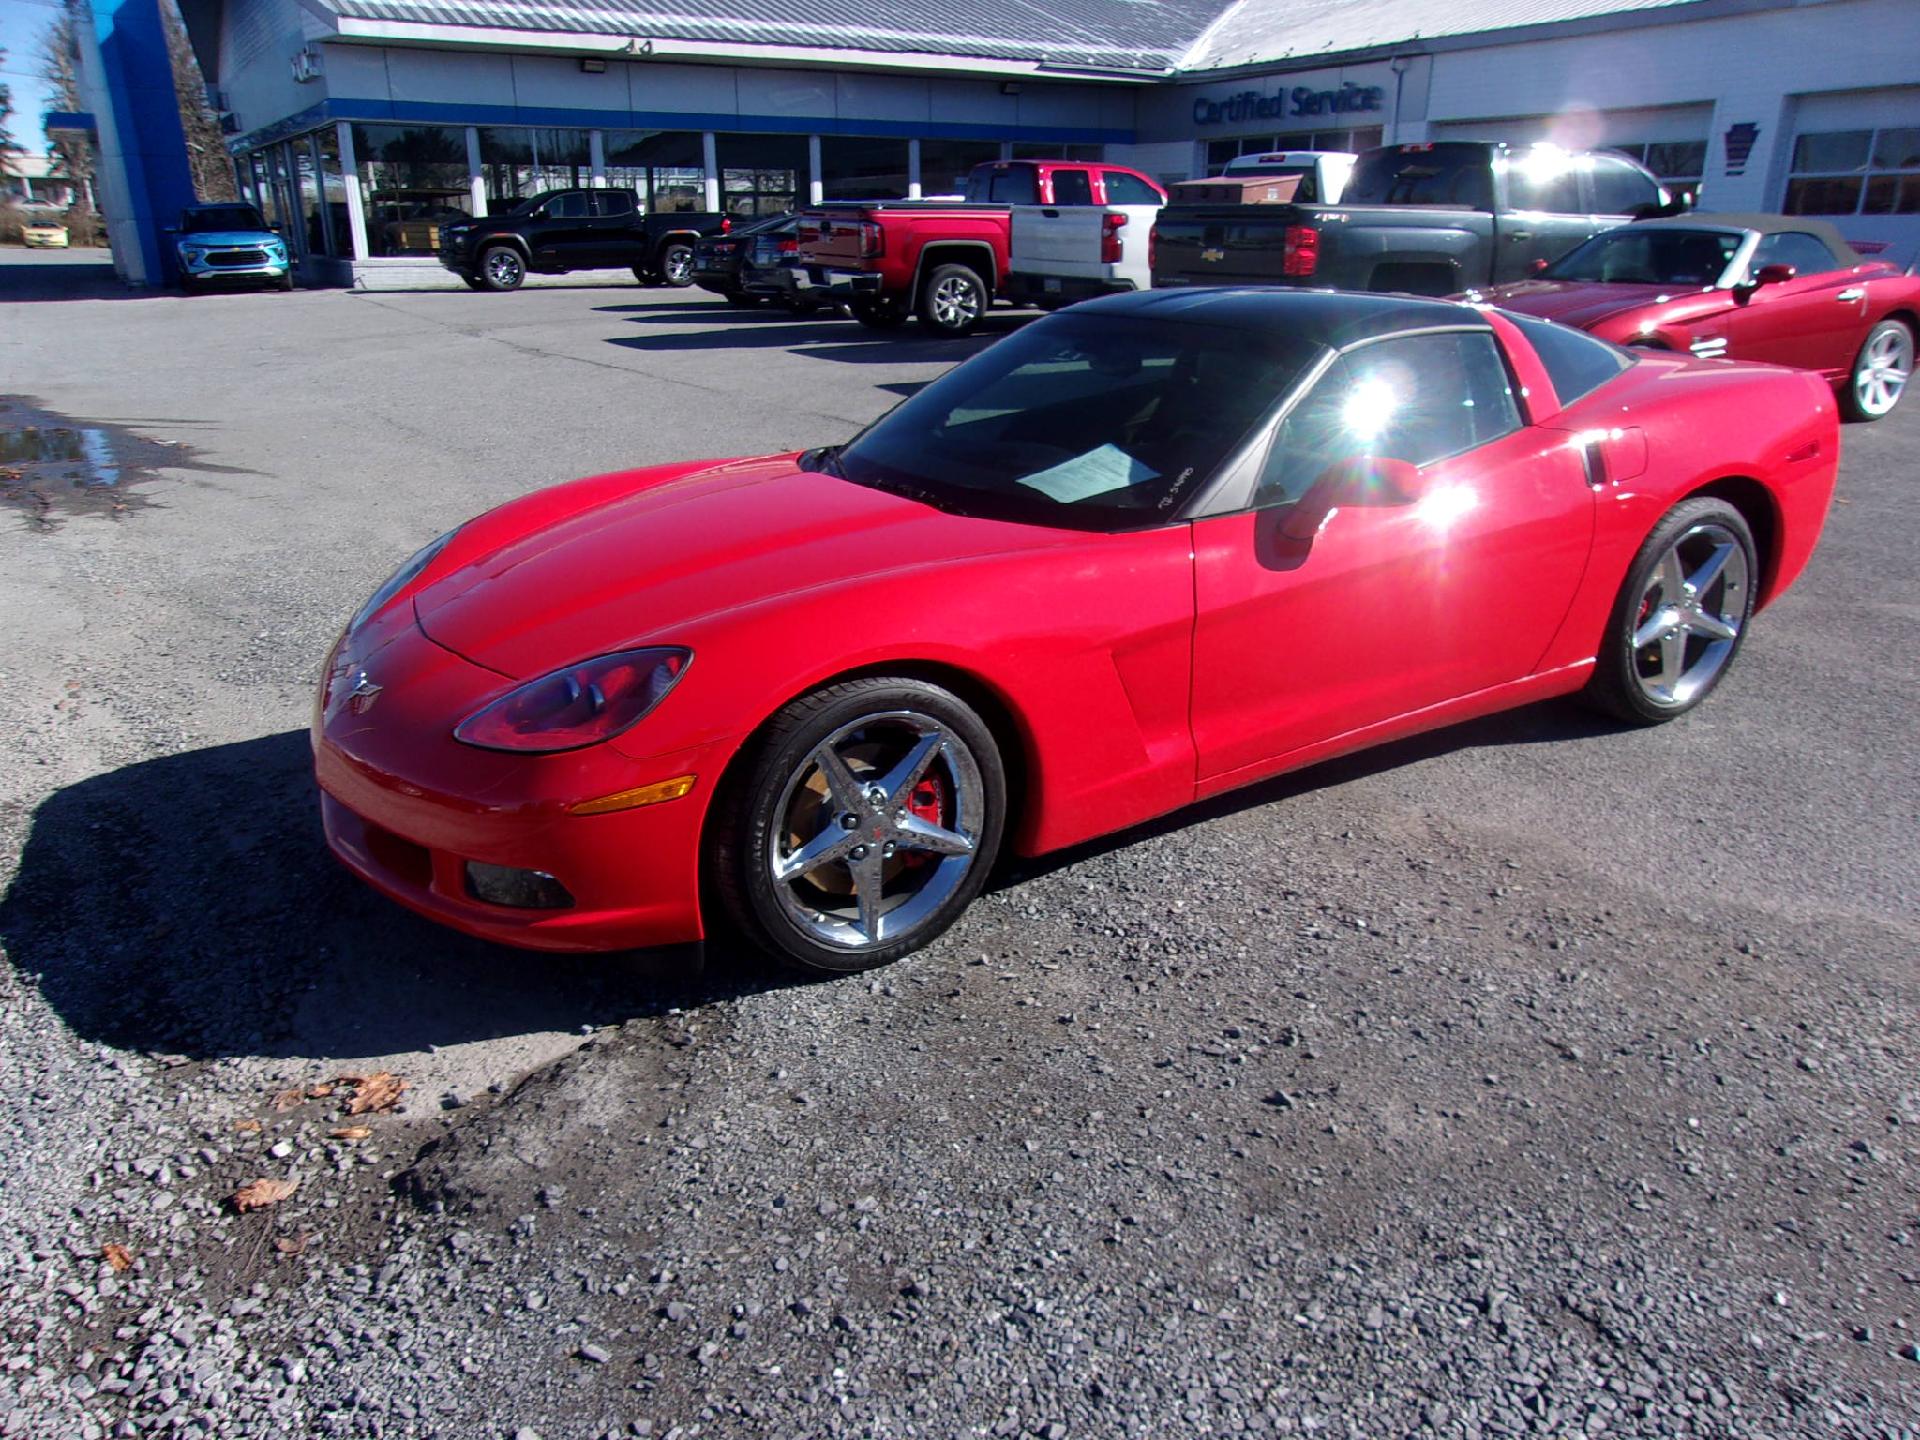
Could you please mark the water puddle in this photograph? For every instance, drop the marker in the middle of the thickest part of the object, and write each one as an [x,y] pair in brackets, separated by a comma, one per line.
[54,468]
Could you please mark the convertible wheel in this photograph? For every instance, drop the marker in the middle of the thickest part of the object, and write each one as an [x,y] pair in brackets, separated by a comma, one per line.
[1880,371]
[865,819]
[501,268]
[676,265]
[1680,617]
[953,301]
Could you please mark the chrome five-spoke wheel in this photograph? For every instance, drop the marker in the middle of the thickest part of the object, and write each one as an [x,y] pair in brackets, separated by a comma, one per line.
[1882,370]
[1680,616]
[1690,615]
[867,820]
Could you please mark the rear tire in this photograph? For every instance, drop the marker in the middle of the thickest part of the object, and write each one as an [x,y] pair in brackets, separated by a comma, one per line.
[286,281]
[897,852]
[676,265]
[1680,617]
[881,312]
[1880,372]
[953,300]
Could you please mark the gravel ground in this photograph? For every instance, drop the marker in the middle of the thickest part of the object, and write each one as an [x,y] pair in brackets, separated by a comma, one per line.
[1533,1078]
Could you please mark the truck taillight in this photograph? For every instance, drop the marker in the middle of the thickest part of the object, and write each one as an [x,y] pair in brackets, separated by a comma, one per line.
[1153,246]
[788,246]
[726,224]
[1110,243]
[1302,253]
[872,239]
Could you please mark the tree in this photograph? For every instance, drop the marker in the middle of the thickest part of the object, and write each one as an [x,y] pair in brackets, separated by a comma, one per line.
[60,68]
[7,147]
[206,150]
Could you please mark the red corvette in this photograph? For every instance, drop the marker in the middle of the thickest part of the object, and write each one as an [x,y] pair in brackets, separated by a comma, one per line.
[1138,553]
[1780,288]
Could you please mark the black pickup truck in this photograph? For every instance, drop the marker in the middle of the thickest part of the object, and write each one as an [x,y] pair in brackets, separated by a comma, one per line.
[561,230]
[1428,219]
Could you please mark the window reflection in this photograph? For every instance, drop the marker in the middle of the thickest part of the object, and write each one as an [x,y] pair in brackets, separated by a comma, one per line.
[413,180]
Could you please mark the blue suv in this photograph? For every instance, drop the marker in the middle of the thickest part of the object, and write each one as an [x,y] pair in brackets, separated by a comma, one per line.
[229,242]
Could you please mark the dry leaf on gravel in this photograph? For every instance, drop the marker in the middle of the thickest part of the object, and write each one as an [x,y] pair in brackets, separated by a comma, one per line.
[259,1194]
[116,1255]
[350,1132]
[251,1127]
[379,1091]
[319,1092]
[287,1099]
[291,1244]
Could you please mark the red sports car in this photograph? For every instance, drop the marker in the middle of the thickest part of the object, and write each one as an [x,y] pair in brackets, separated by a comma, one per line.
[1780,288]
[1138,553]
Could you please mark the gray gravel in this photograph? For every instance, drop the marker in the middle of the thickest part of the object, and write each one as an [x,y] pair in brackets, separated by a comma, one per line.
[1531,1079]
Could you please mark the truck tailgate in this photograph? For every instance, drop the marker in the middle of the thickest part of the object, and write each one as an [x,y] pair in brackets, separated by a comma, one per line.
[830,240]
[1224,245]
[1057,240]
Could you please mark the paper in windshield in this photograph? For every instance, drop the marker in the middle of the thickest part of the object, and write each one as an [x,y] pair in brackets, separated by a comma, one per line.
[1098,472]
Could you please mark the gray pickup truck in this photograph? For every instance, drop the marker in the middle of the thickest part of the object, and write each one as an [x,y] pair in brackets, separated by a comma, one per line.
[1428,219]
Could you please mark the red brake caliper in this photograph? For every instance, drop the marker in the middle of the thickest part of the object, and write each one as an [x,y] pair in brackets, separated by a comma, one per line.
[929,802]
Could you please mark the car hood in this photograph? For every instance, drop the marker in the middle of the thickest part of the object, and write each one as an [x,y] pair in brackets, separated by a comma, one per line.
[1582,303]
[231,237]
[650,562]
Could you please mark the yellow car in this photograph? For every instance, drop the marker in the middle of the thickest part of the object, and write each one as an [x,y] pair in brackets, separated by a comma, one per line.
[44,235]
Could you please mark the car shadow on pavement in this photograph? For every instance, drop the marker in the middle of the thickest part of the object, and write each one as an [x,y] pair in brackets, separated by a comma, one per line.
[832,340]
[1548,722]
[188,905]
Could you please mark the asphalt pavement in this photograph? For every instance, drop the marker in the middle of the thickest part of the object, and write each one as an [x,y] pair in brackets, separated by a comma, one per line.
[1535,1077]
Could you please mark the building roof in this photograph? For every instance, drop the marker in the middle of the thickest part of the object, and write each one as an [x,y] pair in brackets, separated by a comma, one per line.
[1144,36]
[1253,32]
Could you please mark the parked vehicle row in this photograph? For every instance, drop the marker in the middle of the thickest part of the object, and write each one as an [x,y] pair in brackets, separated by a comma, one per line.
[581,229]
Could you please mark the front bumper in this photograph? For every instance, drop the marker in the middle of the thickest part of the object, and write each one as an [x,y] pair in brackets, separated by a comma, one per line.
[405,806]
[235,263]
[43,242]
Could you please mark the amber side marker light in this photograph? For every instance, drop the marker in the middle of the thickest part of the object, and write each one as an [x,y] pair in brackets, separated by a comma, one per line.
[654,794]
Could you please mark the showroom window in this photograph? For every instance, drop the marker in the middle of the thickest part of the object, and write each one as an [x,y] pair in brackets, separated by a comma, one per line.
[667,169]
[1219,152]
[1677,164]
[944,163]
[520,161]
[856,168]
[761,174]
[1849,172]
[413,179]
[333,194]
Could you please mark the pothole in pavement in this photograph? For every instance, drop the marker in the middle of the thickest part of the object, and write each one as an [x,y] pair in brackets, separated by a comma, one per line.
[55,468]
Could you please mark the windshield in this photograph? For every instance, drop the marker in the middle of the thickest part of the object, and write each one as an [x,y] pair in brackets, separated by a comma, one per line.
[1091,421]
[1650,257]
[225,217]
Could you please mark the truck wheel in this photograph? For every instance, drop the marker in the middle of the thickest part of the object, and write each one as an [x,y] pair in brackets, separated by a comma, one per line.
[676,265]
[474,282]
[881,312]
[646,275]
[953,300]
[501,268]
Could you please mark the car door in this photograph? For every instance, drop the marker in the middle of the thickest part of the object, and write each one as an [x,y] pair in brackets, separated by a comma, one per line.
[1544,216]
[616,229]
[1394,607]
[1815,321]
[564,235]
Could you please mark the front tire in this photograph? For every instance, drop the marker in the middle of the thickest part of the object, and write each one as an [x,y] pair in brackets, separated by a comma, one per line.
[501,268]
[1880,372]
[1680,617]
[861,822]
[953,300]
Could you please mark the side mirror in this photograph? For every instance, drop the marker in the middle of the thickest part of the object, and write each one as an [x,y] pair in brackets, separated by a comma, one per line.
[1358,480]
[1538,265]
[1773,275]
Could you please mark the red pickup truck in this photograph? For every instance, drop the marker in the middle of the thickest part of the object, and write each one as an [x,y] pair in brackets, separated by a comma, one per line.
[944,260]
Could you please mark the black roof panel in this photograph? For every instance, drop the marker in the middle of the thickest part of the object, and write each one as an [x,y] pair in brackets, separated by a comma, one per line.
[1331,317]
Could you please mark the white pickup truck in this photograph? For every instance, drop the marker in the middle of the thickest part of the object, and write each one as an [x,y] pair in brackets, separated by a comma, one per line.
[1061,253]
[1323,173]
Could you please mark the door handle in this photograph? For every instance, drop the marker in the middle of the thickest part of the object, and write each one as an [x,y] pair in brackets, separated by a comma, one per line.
[1517,235]
[1849,295]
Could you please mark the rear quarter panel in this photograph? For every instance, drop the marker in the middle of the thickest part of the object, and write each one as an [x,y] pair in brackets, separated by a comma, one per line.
[1710,425]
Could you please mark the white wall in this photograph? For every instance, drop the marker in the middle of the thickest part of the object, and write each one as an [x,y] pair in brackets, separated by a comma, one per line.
[258,40]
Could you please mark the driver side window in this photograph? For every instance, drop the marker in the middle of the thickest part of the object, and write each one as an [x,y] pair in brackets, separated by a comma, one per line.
[1806,253]
[1420,398]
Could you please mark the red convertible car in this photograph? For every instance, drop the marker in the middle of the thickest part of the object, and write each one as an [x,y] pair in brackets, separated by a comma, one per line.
[1137,553]
[1780,288]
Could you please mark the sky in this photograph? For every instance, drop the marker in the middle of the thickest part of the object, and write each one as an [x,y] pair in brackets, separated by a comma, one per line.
[21,25]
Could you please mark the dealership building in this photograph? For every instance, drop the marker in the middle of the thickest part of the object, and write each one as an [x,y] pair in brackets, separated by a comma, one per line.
[360,124]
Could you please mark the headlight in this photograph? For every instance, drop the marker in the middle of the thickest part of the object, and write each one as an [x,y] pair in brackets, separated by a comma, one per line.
[191,252]
[399,580]
[579,705]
